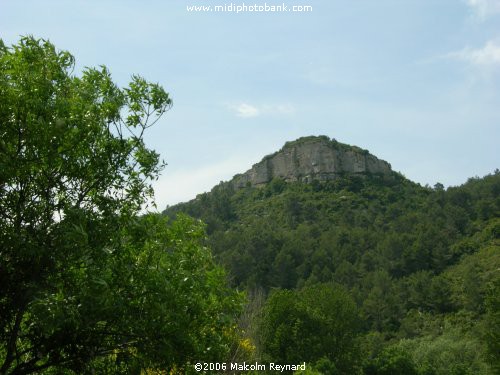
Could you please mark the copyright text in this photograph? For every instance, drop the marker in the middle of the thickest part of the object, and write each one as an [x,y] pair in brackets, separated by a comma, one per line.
[244,366]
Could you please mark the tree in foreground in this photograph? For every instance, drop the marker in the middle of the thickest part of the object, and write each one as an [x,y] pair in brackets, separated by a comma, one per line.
[318,325]
[85,282]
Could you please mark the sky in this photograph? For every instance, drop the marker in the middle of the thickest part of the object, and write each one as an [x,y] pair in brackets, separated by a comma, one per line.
[416,82]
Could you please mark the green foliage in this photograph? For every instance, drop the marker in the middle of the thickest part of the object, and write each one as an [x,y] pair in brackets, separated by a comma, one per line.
[453,351]
[492,322]
[410,256]
[317,324]
[392,361]
[85,283]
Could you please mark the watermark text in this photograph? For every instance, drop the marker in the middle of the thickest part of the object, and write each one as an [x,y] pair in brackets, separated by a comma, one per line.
[249,8]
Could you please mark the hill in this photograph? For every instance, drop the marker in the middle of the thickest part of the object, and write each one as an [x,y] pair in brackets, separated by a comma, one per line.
[312,158]
[418,262]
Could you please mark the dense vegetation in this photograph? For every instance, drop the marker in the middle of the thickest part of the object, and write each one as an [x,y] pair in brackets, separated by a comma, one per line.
[87,284]
[361,274]
[420,265]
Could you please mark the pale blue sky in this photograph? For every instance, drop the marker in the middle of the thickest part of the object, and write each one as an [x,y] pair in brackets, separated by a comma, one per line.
[416,82]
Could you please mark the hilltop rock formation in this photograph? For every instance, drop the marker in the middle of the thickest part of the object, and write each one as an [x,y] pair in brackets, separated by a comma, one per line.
[312,158]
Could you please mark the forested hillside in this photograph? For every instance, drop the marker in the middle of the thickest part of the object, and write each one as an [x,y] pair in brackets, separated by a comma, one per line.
[420,266]
[336,264]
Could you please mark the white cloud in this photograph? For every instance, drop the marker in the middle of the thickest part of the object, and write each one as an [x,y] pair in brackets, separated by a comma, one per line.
[484,8]
[246,110]
[486,56]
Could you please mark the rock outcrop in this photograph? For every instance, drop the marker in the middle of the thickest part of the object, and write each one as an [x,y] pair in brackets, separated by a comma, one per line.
[312,158]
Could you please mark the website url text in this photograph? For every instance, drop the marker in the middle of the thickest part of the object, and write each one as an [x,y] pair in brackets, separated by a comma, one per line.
[240,8]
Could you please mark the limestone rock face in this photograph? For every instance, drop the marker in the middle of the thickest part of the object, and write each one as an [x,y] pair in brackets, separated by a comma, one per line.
[312,158]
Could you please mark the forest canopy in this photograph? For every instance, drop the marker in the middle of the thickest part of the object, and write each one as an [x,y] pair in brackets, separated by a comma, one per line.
[421,264]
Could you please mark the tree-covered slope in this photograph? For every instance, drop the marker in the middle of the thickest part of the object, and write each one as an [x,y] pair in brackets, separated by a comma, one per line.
[288,234]
[421,263]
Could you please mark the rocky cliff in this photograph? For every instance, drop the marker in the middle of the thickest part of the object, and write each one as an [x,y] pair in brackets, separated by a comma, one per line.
[312,158]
